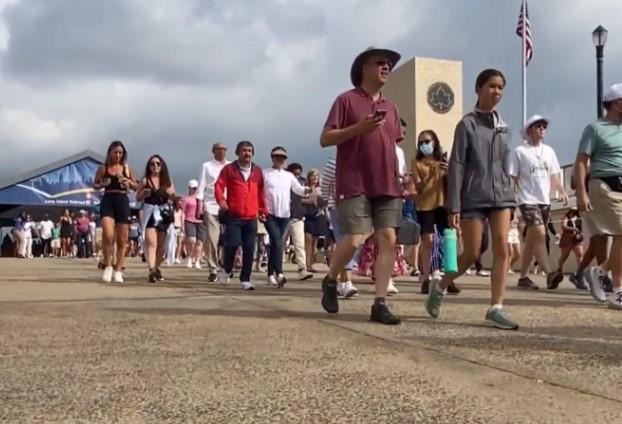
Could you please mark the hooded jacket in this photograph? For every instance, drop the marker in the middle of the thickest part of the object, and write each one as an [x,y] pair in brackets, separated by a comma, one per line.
[478,174]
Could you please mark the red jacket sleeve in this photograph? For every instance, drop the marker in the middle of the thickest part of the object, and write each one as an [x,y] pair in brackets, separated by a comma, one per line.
[261,201]
[221,184]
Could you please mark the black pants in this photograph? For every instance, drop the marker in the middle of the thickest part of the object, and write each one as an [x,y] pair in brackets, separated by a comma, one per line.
[240,232]
[47,247]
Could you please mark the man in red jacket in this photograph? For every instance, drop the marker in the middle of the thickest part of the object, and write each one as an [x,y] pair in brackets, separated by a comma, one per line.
[242,181]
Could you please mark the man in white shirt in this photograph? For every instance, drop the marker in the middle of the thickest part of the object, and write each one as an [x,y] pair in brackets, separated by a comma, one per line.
[45,232]
[401,157]
[534,167]
[209,174]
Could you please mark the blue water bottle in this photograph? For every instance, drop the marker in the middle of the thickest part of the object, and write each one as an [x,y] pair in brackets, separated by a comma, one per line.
[450,251]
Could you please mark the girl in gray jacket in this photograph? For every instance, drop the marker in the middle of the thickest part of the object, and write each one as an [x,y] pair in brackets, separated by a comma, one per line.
[480,189]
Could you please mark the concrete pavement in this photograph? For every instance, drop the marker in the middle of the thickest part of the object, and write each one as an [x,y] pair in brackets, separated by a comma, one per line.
[76,350]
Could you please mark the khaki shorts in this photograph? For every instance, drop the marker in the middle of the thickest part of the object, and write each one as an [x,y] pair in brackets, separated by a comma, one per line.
[606,216]
[535,215]
[362,215]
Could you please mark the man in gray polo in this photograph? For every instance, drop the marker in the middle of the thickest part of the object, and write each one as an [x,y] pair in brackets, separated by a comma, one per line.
[364,125]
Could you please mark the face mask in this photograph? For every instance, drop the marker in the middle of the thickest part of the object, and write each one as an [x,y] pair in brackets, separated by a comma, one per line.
[427,149]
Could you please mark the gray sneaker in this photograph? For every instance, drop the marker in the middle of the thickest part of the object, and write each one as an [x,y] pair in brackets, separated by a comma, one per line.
[435,299]
[500,320]
[594,276]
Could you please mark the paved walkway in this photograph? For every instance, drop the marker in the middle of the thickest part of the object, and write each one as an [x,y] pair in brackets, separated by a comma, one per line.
[75,350]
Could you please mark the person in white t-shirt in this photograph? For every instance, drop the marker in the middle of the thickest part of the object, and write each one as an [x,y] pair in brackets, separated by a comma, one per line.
[209,174]
[535,168]
[45,232]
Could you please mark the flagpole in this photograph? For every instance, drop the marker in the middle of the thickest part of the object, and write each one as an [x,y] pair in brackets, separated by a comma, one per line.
[524,62]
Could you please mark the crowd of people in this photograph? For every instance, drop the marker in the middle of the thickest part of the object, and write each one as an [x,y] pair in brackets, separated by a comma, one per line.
[362,207]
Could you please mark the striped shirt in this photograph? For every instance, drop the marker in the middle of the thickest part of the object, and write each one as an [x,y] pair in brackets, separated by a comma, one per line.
[328,183]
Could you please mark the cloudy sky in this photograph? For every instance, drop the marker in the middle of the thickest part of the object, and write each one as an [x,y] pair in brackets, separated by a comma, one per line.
[174,76]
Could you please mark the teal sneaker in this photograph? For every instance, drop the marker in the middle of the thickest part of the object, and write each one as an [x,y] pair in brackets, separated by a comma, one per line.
[435,299]
[500,320]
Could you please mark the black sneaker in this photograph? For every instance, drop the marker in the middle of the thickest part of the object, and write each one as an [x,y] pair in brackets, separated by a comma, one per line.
[553,280]
[527,283]
[329,295]
[425,287]
[153,276]
[381,313]
[453,289]
[212,277]
[159,276]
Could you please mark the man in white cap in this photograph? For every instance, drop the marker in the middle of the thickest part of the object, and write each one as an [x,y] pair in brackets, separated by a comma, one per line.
[601,146]
[535,168]
[364,126]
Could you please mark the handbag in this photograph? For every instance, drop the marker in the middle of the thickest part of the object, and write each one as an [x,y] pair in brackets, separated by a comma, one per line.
[166,213]
[408,233]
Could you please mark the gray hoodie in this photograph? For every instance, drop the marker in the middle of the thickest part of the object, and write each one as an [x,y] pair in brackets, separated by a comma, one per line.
[478,176]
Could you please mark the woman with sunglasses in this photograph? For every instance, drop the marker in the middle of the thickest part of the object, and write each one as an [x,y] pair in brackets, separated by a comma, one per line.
[116,178]
[480,189]
[155,191]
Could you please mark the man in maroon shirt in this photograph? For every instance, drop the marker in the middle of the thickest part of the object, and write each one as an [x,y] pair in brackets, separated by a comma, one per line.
[364,126]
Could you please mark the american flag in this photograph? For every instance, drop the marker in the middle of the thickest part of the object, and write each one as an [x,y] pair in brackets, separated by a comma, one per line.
[523,19]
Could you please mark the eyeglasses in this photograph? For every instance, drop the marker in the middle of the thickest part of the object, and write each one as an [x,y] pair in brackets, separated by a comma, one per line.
[155,163]
[426,141]
[384,62]
[220,148]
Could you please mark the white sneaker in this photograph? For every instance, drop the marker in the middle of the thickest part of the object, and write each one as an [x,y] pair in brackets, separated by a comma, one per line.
[189,263]
[177,261]
[349,290]
[272,280]
[304,275]
[510,272]
[594,275]
[118,277]
[107,277]
[483,273]
[614,301]
[197,264]
[469,272]
[247,285]
[222,278]
[391,289]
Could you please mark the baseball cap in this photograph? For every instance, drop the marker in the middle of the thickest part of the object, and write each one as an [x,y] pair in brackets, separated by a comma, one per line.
[614,93]
[193,184]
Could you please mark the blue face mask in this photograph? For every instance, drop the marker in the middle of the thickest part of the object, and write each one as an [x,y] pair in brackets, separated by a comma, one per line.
[426,149]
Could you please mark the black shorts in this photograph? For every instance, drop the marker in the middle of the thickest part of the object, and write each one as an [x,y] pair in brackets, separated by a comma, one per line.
[428,219]
[117,207]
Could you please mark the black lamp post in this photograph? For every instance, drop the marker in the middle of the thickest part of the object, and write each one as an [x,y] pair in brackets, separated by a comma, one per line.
[599,38]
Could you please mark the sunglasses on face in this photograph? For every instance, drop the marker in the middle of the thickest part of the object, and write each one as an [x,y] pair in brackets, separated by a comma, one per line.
[155,164]
[384,62]
[541,126]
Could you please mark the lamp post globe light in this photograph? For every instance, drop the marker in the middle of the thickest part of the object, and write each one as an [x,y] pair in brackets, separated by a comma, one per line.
[599,38]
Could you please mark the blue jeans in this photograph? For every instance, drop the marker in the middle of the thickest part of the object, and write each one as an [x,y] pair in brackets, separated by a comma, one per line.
[276,229]
[240,232]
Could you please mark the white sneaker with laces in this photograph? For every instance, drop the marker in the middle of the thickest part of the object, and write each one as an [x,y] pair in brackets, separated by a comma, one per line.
[107,277]
[222,278]
[483,273]
[197,264]
[272,280]
[247,285]
[469,272]
[391,289]
[614,301]
[118,277]
[189,263]
[594,275]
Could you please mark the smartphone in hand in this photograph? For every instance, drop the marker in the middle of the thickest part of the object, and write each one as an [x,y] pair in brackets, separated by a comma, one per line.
[380,114]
